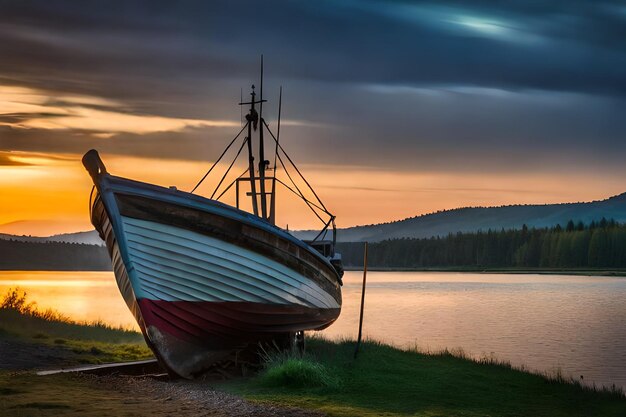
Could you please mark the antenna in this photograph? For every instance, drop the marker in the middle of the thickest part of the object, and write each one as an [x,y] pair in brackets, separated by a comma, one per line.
[273,196]
[261,94]
[280,106]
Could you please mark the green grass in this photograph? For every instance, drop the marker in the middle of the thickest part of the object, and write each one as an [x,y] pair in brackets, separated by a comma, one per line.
[284,368]
[393,382]
[88,342]
[56,330]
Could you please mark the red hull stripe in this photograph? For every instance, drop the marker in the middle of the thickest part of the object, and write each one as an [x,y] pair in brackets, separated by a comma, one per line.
[220,324]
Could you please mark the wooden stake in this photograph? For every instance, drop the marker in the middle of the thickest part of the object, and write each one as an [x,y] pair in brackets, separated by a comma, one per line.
[358,340]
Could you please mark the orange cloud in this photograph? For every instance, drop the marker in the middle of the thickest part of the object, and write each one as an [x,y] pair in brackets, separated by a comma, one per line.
[41,110]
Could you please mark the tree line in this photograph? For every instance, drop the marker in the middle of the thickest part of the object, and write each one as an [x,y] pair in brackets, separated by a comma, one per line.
[600,244]
[53,256]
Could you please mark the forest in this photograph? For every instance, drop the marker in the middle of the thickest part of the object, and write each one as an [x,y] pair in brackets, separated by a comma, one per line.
[52,256]
[600,244]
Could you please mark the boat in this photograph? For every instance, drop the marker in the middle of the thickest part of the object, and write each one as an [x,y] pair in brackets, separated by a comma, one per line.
[205,279]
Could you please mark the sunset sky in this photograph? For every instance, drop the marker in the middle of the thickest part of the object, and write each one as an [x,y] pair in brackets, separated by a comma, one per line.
[392,109]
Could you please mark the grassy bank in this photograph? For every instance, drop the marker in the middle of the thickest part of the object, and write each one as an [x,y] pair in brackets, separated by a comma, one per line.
[48,333]
[382,381]
[392,382]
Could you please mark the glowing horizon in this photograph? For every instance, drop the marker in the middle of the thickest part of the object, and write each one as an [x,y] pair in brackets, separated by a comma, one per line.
[44,195]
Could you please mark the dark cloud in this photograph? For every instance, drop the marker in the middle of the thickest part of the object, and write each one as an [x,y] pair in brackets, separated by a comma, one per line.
[571,46]
[13,118]
[190,144]
[448,85]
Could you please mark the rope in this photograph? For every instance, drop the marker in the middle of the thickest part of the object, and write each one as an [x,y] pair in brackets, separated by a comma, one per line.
[218,159]
[230,166]
[324,229]
[294,165]
[245,171]
[300,192]
[299,195]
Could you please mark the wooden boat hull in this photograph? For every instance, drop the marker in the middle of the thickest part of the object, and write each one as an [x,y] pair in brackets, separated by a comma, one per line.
[204,279]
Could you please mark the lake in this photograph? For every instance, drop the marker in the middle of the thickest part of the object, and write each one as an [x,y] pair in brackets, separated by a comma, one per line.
[545,322]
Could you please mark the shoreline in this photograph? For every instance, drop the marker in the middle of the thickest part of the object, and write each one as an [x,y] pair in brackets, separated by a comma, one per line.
[521,271]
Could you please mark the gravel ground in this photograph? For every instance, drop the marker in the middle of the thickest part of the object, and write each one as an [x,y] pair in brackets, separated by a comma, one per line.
[194,398]
[113,395]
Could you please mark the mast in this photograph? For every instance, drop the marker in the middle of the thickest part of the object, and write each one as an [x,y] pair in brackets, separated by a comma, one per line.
[252,118]
[264,212]
[253,121]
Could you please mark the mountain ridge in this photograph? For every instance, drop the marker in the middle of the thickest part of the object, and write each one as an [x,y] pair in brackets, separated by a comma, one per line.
[472,219]
[90,237]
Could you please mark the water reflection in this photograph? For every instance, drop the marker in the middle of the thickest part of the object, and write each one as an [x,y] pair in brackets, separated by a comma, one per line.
[79,295]
[575,323]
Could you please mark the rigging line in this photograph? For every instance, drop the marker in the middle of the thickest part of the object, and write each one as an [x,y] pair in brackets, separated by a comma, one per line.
[300,192]
[324,229]
[294,165]
[231,184]
[277,154]
[334,234]
[306,200]
[218,159]
[229,167]
[296,193]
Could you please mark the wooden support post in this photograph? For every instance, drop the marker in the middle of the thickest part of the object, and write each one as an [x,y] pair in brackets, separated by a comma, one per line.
[358,340]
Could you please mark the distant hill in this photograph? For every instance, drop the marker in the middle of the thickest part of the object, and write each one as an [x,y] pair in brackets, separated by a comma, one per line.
[87,238]
[472,219]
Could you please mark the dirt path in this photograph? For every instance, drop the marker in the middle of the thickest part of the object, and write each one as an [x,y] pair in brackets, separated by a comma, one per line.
[22,393]
[197,398]
[25,394]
